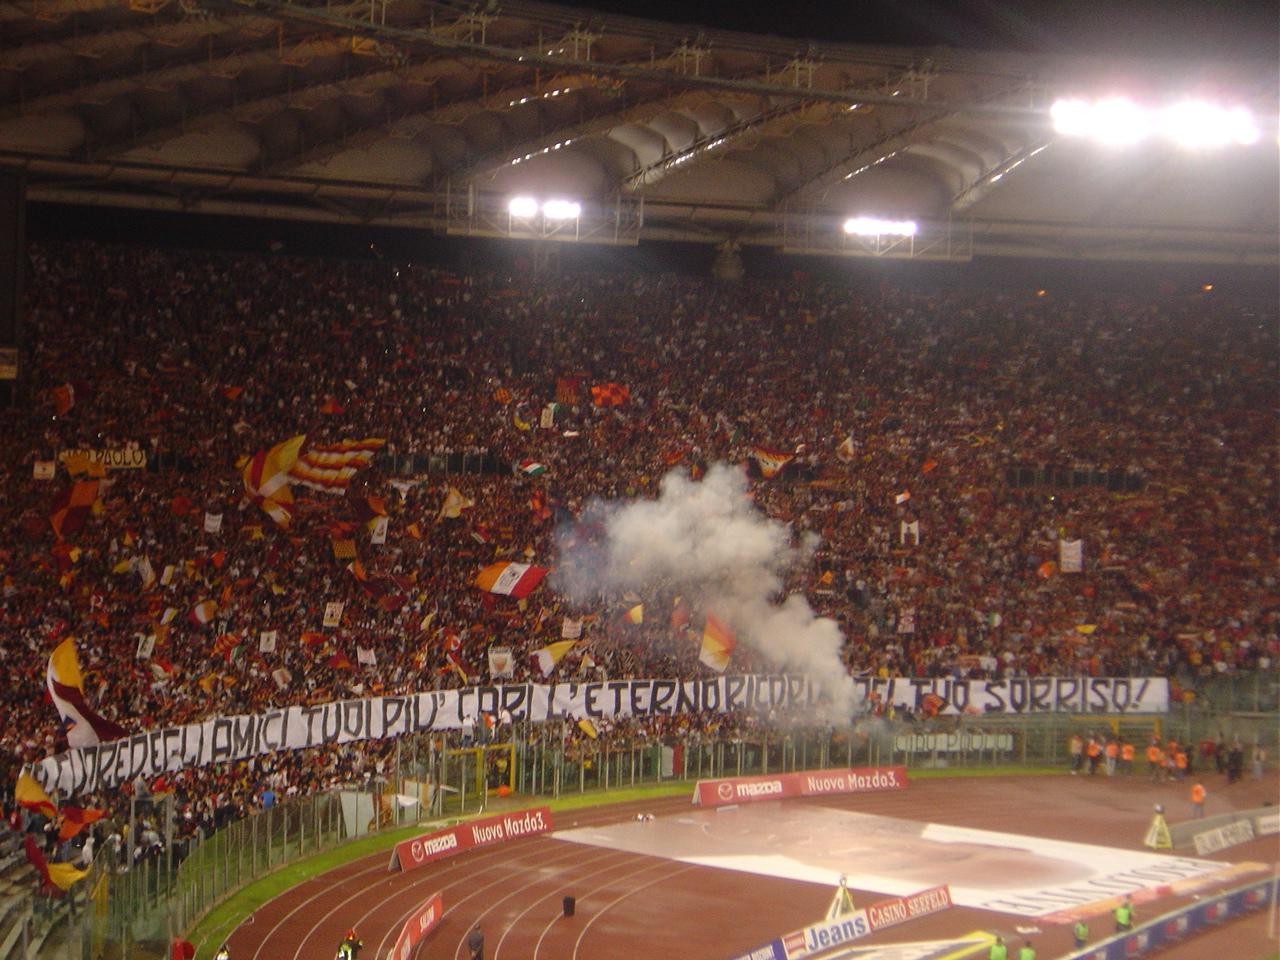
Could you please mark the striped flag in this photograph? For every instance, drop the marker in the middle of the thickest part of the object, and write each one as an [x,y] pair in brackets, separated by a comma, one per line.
[532,468]
[66,688]
[547,658]
[511,579]
[330,466]
[717,644]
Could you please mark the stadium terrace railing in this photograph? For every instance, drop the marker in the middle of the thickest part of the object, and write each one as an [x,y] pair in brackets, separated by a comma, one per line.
[134,909]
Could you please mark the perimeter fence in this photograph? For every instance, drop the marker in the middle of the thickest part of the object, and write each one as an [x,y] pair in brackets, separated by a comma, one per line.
[134,909]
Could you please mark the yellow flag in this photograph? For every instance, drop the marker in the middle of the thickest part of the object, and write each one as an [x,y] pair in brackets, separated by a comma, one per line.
[63,875]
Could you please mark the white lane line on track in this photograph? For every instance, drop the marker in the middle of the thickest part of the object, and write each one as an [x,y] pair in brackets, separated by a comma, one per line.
[577,944]
[432,884]
[576,880]
[310,953]
[663,865]
[379,868]
[378,863]
[505,877]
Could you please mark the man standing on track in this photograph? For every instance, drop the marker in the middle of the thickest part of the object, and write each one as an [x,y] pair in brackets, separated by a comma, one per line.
[475,944]
[350,947]
[1081,933]
[1197,801]
[1124,916]
[998,950]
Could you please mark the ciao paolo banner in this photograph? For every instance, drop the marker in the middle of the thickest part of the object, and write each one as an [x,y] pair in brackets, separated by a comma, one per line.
[468,836]
[805,783]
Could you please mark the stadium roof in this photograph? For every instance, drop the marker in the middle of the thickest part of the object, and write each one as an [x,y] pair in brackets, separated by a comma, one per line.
[433,114]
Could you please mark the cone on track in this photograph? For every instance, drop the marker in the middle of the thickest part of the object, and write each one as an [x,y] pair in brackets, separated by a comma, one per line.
[1158,837]
[841,902]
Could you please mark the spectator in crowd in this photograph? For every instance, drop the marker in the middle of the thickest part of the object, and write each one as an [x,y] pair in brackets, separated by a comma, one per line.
[943,452]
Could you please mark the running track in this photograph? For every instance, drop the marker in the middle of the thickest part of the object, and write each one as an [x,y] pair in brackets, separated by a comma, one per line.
[638,906]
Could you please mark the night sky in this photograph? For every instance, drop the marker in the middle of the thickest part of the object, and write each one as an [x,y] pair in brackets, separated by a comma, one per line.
[1174,29]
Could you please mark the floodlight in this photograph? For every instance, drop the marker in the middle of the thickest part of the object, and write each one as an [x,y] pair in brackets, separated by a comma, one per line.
[875,227]
[1115,120]
[561,210]
[1194,123]
[522,207]
[1070,117]
[1121,122]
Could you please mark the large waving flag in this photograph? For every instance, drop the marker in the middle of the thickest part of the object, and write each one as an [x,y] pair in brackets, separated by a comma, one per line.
[321,466]
[717,644]
[330,466]
[66,689]
[511,579]
[31,796]
[547,658]
[267,476]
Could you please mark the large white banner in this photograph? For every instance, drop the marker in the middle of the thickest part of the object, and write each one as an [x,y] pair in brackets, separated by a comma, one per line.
[1023,695]
[226,739]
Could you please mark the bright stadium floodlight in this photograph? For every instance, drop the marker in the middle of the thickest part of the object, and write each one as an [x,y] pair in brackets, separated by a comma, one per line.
[1118,121]
[1195,124]
[522,208]
[561,210]
[874,227]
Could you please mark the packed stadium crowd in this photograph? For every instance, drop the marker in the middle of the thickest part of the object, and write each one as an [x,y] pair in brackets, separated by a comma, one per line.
[939,447]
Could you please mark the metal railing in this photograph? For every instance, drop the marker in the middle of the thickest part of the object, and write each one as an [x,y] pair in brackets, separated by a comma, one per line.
[134,909]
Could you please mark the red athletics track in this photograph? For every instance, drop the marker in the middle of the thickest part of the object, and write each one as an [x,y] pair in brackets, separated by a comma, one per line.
[636,906]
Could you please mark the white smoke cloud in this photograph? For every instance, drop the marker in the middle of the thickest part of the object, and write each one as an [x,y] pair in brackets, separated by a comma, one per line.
[708,541]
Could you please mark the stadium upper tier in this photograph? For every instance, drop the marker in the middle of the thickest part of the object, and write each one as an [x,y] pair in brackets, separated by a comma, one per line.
[931,460]
[426,114]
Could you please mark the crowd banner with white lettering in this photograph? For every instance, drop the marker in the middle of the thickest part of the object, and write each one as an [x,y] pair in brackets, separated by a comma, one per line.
[229,739]
[822,936]
[113,458]
[439,844]
[1023,695]
[416,928]
[803,783]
